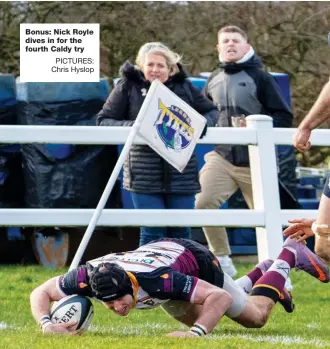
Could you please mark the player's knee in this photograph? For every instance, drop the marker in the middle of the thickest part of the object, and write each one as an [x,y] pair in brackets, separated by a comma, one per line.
[261,323]
[261,320]
[257,322]
[257,319]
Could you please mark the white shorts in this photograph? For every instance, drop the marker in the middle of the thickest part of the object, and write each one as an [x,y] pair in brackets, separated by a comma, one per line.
[240,298]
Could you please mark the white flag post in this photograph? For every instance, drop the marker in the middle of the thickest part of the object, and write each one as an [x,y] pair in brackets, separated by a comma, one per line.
[170,126]
[111,182]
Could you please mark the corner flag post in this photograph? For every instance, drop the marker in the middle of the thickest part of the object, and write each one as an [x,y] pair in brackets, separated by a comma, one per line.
[170,126]
[112,180]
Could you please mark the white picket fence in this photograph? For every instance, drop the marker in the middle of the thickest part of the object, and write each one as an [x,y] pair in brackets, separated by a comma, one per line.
[259,135]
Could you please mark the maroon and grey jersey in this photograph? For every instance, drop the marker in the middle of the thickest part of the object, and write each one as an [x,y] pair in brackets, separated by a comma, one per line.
[165,270]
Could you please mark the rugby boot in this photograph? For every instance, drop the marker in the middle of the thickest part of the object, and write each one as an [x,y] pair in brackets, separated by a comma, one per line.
[308,261]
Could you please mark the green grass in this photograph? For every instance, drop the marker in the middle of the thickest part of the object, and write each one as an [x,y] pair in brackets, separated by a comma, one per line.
[307,327]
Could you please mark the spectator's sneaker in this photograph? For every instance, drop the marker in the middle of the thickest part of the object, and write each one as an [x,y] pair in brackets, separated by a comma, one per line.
[285,297]
[308,261]
[227,265]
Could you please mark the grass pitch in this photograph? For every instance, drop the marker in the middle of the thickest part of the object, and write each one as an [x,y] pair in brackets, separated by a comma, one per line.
[307,327]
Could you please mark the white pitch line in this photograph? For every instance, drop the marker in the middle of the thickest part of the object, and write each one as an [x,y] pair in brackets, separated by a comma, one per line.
[273,339]
[4,326]
[141,329]
[312,325]
[147,329]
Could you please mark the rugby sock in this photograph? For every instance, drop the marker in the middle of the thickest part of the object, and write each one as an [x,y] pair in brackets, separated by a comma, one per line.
[247,281]
[271,284]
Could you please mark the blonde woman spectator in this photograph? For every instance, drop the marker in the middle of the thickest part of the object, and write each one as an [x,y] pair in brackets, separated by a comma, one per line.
[152,182]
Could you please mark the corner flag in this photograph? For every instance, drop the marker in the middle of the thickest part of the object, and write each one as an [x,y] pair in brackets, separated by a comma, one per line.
[170,126]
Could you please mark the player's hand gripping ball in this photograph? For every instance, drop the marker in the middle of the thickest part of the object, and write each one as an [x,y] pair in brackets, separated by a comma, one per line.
[73,308]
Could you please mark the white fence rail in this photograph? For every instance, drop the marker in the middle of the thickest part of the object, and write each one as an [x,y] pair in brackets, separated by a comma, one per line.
[259,135]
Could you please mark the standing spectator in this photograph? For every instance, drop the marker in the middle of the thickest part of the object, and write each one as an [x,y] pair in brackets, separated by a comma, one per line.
[239,88]
[153,183]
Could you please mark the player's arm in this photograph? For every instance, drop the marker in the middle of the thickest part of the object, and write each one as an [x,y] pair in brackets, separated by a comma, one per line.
[42,296]
[211,301]
[40,300]
[320,111]
[214,303]
[51,291]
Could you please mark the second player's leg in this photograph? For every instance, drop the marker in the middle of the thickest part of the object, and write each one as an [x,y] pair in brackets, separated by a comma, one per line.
[248,311]
[256,312]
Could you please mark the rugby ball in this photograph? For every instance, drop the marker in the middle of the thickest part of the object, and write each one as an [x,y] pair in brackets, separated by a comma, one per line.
[73,308]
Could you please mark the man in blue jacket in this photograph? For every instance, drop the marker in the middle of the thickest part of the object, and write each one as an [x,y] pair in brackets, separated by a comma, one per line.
[239,87]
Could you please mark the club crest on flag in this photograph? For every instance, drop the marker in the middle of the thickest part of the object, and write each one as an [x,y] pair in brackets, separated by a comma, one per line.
[174,127]
[169,125]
